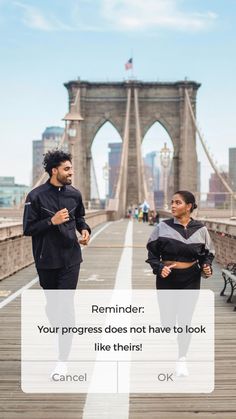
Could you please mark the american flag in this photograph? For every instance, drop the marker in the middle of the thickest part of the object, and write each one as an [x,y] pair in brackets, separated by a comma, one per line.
[129,64]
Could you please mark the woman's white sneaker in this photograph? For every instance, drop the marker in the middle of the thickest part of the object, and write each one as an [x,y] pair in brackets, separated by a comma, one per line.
[60,369]
[181,369]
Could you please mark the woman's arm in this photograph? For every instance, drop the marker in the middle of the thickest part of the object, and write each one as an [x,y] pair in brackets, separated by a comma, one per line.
[154,254]
[209,250]
[209,253]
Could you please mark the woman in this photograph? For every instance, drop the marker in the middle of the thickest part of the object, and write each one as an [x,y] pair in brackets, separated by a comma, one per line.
[180,250]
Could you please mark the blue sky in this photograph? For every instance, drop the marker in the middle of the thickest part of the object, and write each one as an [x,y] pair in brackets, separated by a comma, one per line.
[46,43]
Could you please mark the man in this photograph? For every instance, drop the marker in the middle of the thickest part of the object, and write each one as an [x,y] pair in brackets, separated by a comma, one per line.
[145,208]
[53,212]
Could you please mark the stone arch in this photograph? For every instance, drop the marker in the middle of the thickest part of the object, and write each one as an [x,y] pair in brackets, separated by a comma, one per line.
[167,127]
[96,128]
[156,135]
[104,133]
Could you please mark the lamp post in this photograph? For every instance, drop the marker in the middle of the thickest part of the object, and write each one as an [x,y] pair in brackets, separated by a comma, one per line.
[72,128]
[106,178]
[165,157]
[150,182]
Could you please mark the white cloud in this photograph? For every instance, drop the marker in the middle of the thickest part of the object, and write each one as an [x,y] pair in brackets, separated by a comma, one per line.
[118,15]
[144,14]
[34,18]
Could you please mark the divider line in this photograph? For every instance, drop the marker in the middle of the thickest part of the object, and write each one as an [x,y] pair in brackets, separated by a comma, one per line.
[17,293]
[112,405]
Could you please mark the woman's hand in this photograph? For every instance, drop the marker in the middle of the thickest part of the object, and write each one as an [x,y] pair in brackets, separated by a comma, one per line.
[207,270]
[167,270]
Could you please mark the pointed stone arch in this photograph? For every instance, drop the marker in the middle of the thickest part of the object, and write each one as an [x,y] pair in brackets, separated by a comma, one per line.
[100,142]
[98,126]
[155,137]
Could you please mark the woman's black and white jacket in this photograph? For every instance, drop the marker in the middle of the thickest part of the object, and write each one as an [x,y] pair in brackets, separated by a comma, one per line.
[170,240]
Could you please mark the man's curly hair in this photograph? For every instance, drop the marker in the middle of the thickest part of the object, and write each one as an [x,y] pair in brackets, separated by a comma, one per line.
[54,158]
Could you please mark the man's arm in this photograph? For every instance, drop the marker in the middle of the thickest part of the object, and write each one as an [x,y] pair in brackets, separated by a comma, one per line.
[79,218]
[32,224]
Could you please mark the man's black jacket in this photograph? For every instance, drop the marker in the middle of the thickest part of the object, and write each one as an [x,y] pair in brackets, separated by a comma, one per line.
[54,246]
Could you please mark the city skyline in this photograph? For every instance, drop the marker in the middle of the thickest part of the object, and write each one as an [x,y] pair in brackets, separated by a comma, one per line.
[48,43]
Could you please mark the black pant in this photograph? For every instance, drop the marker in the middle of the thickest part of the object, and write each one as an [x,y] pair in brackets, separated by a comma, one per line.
[145,217]
[176,308]
[60,279]
[60,305]
[181,279]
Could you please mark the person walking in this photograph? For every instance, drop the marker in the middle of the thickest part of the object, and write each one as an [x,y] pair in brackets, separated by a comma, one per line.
[145,209]
[180,251]
[136,213]
[157,217]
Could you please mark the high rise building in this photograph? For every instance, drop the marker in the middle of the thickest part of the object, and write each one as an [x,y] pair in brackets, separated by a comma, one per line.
[114,157]
[218,196]
[51,139]
[152,170]
[156,179]
[37,160]
[232,167]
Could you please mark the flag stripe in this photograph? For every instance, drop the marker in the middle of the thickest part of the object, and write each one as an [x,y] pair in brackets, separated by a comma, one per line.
[129,64]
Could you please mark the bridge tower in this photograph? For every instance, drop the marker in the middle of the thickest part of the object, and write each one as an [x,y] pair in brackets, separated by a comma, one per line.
[132,107]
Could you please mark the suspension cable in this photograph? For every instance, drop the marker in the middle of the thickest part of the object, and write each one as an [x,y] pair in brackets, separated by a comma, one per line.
[141,174]
[213,165]
[115,203]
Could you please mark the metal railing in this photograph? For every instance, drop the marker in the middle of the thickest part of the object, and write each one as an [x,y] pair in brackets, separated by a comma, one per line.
[212,204]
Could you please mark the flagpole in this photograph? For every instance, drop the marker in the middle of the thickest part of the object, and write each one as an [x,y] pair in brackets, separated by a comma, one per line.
[132,69]
[128,67]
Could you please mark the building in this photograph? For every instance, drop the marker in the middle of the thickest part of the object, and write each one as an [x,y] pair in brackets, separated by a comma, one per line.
[11,193]
[114,157]
[159,199]
[232,168]
[51,139]
[152,170]
[218,196]
[155,175]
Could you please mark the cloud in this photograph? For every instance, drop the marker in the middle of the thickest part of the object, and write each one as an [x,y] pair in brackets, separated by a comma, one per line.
[34,18]
[118,15]
[133,15]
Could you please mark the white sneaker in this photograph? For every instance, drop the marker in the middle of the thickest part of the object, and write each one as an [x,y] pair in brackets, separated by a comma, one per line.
[60,369]
[181,369]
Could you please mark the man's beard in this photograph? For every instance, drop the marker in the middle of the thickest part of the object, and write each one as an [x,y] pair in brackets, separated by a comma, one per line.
[64,180]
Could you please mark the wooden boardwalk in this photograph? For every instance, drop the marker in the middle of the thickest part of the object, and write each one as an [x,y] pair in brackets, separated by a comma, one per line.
[98,271]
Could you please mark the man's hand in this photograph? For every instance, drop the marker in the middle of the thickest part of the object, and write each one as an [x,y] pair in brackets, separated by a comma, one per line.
[207,270]
[167,270]
[60,217]
[85,237]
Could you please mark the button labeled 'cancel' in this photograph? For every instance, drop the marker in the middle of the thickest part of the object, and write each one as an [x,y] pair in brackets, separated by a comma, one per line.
[69,377]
